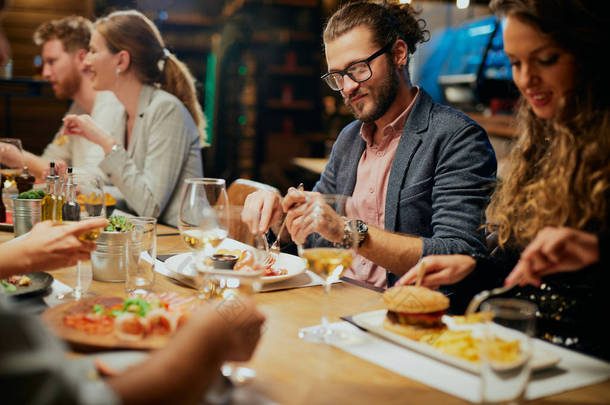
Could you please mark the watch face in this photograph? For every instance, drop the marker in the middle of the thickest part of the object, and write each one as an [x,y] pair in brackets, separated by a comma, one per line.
[361,227]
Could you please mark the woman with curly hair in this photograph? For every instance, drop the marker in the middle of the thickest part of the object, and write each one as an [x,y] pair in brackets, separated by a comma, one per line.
[550,214]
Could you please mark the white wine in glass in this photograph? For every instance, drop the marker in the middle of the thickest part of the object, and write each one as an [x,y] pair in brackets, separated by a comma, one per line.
[203,218]
[328,259]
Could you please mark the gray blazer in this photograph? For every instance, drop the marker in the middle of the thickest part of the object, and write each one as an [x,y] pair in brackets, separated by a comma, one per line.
[441,178]
[163,151]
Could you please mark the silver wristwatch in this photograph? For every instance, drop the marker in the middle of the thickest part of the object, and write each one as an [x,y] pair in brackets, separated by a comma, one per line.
[351,227]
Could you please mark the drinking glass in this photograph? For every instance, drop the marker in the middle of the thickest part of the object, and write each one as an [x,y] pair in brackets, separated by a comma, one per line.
[83,199]
[226,288]
[11,164]
[141,253]
[203,218]
[506,350]
[327,259]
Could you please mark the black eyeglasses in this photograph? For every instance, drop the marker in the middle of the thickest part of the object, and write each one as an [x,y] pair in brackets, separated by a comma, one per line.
[359,71]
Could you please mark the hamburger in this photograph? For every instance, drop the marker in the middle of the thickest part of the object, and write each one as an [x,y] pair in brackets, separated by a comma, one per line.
[414,311]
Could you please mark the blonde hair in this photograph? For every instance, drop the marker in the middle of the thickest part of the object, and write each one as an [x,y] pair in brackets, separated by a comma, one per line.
[153,64]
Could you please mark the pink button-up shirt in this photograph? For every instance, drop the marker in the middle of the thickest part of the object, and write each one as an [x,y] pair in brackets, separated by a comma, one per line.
[371,186]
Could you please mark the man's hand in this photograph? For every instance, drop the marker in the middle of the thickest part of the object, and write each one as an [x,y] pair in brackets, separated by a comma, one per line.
[50,246]
[261,209]
[10,155]
[554,250]
[307,213]
[440,270]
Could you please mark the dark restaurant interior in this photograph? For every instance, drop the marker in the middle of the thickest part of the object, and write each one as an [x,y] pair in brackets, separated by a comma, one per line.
[304,202]
[257,66]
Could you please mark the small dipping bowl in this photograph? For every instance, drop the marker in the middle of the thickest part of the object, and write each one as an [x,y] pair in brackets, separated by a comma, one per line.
[224,262]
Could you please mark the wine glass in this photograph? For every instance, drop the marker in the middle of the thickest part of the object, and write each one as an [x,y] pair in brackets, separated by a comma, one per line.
[11,164]
[328,259]
[83,198]
[506,350]
[203,218]
[228,288]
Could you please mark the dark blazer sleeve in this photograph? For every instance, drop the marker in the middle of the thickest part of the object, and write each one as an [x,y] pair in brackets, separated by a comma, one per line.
[463,182]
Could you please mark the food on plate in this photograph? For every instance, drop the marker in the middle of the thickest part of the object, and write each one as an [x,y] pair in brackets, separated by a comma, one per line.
[414,311]
[476,317]
[10,284]
[133,318]
[246,262]
[463,345]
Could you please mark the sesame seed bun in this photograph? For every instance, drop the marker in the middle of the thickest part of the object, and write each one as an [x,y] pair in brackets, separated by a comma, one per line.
[414,300]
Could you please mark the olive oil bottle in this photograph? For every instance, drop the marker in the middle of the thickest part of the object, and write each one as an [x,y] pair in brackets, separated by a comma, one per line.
[51,204]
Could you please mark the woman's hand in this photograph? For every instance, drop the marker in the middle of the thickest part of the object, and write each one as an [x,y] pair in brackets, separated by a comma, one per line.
[84,126]
[554,250]
[440,270]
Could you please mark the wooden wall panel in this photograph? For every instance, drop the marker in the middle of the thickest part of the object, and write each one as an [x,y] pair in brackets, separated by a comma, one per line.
[33,118]
[22,18]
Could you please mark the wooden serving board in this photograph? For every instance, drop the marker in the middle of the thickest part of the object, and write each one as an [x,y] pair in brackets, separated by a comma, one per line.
[54,318]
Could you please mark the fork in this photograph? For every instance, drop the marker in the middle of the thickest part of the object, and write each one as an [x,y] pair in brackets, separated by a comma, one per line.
[275,247]
[478,299]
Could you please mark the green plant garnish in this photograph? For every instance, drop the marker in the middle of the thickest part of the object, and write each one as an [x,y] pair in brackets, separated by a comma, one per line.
[8,287]
[31,195]
[119,223]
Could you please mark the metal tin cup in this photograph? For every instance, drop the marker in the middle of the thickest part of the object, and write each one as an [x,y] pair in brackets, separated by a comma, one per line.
[109,260]
[26,214]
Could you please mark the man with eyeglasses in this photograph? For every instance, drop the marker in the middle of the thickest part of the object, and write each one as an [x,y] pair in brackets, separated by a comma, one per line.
[420,173]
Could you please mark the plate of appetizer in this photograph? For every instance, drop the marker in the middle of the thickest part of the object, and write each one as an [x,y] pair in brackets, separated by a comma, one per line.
[415,319]
[139,322]
[284,267]
[26,284]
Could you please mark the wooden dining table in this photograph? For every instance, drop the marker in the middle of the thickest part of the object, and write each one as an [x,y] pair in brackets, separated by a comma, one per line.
[292,371]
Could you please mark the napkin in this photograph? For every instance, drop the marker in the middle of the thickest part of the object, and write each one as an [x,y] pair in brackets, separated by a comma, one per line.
[574,371]
[57,287]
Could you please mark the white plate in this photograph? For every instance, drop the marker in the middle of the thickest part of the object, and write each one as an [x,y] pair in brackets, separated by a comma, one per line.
[373,322]
[183,263]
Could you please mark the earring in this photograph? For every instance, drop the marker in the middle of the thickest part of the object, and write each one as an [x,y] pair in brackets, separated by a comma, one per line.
[118,71]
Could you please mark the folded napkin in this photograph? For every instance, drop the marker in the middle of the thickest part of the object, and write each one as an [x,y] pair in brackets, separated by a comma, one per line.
[574,371]
[57,287]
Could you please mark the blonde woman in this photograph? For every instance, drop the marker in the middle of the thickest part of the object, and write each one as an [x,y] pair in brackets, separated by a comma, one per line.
[551,212]
[163,119]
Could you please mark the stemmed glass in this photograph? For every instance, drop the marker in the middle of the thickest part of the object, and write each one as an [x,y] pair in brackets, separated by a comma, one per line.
[203,218]
[11,162]
[325,258]
[83,199]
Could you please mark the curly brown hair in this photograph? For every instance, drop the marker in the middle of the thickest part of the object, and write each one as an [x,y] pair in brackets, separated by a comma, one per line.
[74,32]
[560,168]
[387,21]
